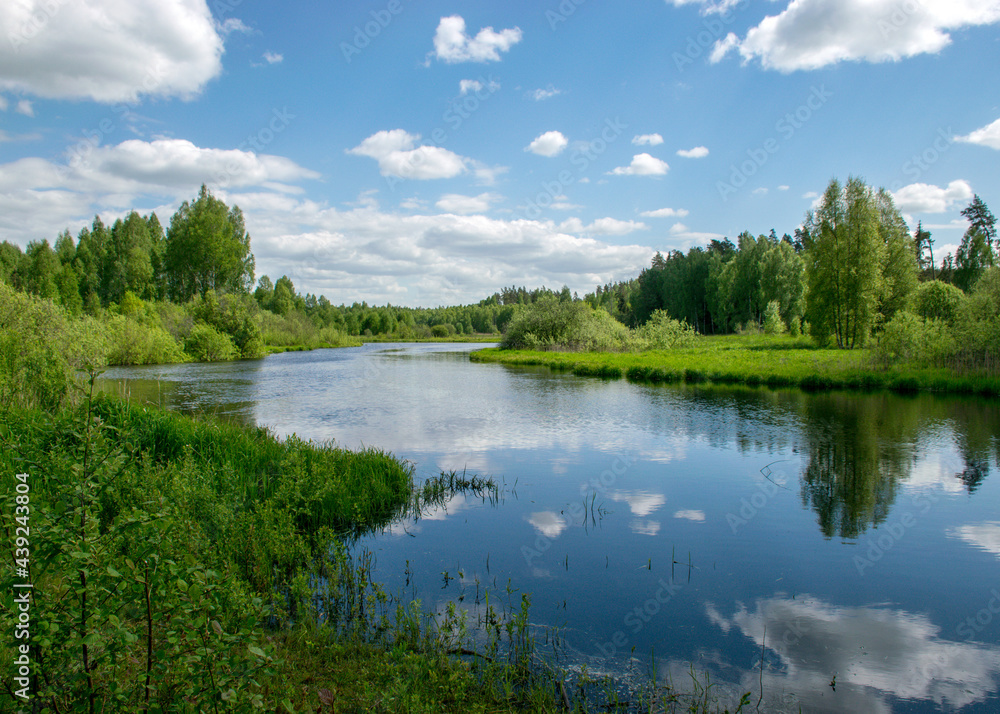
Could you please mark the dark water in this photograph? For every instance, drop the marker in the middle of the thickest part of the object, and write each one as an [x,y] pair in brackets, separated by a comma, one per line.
[855,536]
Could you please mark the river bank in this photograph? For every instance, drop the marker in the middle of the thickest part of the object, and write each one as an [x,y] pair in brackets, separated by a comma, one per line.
[752,360]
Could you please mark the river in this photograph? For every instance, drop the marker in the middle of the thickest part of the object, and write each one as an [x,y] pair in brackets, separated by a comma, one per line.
[840,551]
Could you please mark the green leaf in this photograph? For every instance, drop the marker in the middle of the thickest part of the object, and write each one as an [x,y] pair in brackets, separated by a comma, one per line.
[113,573]
[255,650]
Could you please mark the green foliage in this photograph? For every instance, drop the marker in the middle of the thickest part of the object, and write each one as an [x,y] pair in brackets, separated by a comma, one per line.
[662,332]
[206,344]
[910,339]
[207,248]
[41,349]
[937,300]
[133,341]
[861,265]
[552,324]
[773,324]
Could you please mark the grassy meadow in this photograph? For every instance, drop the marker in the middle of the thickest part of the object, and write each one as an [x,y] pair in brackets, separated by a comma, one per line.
[771,360]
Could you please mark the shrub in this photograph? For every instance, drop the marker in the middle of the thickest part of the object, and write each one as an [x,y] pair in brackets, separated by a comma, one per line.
[936,300]
[551,324]
[206,344]
[662,332]
[908,338]
[131,341]
[773,324]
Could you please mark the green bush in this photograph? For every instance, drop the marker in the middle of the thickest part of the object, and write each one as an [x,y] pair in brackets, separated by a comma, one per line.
[551,324]
[130,341]
[773,324]
[206,344]
[910,339]
[661,332]
[936,300]
[41,349]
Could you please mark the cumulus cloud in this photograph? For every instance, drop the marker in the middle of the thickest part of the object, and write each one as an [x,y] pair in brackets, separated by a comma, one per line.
[708,7]
[602,226]
[906,654]
[398,156]
[464,205]
[665,213]
[640,503]
[540,95]
[698,152]
[551,143]
[108,52]
[452,44]
[925,198]
[810,34]
[647,140]
[549,523]
[696,516]
[989,136]
[273,57]
[25,107]
[642,165]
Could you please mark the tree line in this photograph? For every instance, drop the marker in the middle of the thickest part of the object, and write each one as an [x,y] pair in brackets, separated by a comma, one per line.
[842,277]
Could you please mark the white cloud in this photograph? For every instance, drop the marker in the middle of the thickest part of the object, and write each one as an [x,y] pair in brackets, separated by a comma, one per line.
[665,213]
[469,85]
[760,191]
[810,34]
[540,95]
[3,104]
[698,152]
[640,503]
[642,165]
[906,654]
[647,140]
[452,44]
[984,535]
[551,143]
[696,516]
[602,226]
[925,198]
[398,155]
[24,107]
[548,523]
[783,187]
[273,57]
[108,52]
[234,24]
[683,233]
[708,7]
[464,205]
[989,136]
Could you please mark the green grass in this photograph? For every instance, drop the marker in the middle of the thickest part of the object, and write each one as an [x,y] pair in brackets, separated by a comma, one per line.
[773,361]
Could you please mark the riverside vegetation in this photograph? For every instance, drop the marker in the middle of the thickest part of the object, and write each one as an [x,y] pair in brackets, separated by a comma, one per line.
[850,280]
[191,565]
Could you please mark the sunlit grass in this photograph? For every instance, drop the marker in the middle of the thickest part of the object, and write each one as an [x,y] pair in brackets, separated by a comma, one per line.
[770,360]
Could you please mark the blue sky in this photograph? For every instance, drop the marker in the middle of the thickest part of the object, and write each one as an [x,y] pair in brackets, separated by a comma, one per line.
[431,153]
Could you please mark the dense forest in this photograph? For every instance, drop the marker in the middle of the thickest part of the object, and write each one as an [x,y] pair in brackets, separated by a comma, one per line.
[851,271]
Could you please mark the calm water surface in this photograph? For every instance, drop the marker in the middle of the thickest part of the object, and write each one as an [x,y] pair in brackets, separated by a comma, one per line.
[855,536]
